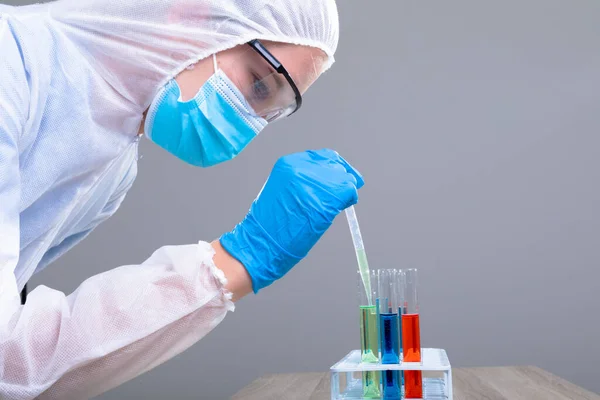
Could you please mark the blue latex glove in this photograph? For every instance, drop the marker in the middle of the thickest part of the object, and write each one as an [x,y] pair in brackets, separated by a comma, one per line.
[299,202]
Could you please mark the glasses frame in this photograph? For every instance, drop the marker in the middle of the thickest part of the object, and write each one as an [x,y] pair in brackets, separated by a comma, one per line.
[277,66]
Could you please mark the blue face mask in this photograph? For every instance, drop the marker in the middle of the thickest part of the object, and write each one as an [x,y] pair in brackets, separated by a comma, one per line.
[213,127]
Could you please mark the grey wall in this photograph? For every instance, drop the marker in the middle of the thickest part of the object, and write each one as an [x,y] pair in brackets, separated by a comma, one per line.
[476,127]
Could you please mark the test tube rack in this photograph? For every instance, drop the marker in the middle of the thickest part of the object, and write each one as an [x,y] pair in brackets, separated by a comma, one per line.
[351,368]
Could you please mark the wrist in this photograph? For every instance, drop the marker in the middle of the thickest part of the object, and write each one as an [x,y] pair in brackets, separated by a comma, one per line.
[264,259]
[239,282]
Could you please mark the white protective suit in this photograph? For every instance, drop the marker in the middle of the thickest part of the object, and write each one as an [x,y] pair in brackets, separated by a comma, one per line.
[75,78]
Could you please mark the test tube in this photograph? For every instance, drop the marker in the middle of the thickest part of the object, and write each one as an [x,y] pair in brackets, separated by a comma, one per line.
[401,311]
[369,336]
[389,336]
[411,336]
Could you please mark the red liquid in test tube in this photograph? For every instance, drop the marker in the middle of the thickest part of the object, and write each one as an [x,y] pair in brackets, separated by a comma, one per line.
[411,337]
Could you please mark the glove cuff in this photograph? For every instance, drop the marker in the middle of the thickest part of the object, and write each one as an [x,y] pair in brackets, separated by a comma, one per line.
[262,257]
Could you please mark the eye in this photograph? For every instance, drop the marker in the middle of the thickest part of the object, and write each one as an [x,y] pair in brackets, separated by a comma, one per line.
[260,90]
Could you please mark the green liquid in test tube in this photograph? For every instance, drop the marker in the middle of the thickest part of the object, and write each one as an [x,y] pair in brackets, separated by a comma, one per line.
[369,315]
[369,335]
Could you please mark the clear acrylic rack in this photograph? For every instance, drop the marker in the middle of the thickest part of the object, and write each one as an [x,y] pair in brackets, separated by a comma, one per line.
[346,375]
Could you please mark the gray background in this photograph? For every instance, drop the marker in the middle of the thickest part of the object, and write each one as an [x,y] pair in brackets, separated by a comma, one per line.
[476,127]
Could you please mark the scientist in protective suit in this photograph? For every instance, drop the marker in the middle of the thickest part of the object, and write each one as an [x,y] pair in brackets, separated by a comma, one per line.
[80,82]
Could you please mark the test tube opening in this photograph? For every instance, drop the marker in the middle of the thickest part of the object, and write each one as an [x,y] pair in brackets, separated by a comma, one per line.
[411,293]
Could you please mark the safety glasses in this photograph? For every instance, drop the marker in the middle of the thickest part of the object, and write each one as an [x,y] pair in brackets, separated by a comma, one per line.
[285,101]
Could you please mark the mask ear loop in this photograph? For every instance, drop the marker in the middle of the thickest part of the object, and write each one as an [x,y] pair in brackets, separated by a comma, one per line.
[215,62]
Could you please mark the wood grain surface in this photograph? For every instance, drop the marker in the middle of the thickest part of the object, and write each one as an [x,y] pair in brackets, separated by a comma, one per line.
[494,383]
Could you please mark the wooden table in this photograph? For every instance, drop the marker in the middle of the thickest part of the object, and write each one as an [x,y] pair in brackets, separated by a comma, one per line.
[495,383]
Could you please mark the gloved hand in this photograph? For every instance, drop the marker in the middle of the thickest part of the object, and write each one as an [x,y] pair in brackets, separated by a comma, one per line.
[302,197]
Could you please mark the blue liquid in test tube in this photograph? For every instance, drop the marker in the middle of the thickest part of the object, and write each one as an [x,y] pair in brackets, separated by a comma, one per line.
[390,354]
[389,332]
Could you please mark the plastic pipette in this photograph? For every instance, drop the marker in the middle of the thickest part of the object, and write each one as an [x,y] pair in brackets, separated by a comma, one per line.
[361,255]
